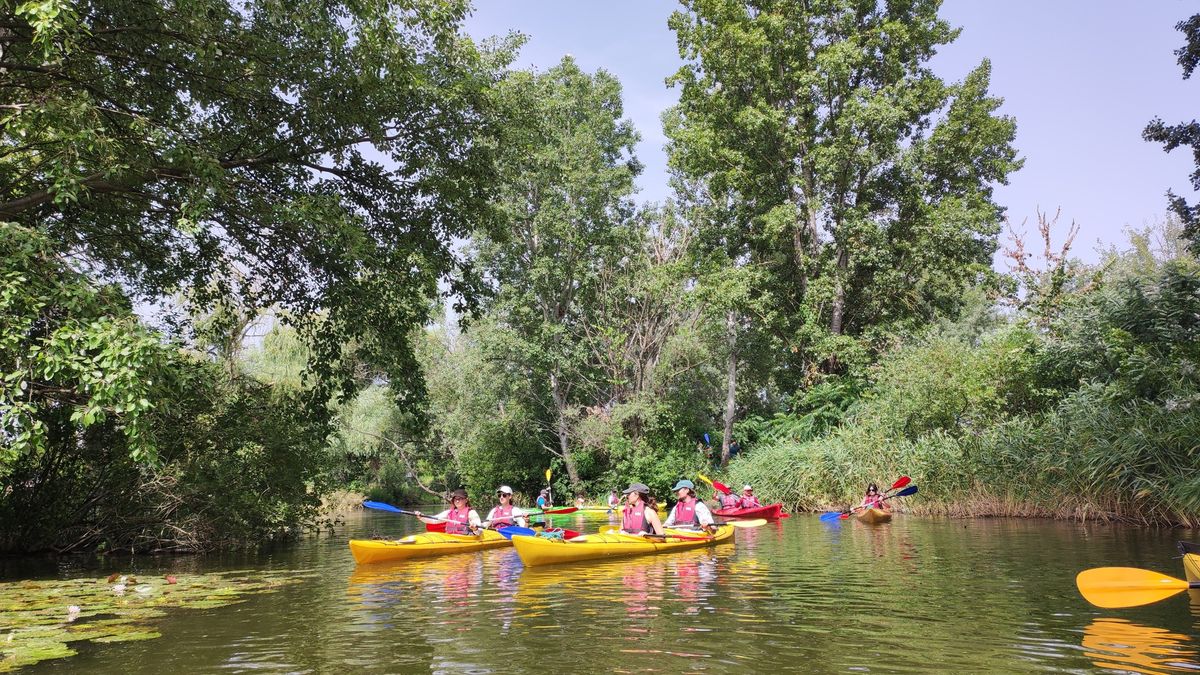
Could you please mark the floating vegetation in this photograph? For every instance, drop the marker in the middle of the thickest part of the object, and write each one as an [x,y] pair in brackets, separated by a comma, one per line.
[40,619]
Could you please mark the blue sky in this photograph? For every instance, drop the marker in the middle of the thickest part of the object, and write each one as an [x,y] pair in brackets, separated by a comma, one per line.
[1081,77]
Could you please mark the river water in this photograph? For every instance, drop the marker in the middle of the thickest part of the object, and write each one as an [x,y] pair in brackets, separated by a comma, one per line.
[916,595]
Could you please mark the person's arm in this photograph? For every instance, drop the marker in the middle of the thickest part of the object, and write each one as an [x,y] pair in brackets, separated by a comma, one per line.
[651,517]
[432,520]
[473,520]
[670,518]
[519,517]
[704,515]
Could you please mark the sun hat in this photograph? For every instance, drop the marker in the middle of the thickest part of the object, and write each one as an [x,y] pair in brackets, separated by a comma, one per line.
[505,490]
[637,487]
[747,487]
[684,483]
[459,493]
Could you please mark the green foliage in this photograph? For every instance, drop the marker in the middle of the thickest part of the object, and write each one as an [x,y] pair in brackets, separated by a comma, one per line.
[827,155]
[328,153]
[1185,135]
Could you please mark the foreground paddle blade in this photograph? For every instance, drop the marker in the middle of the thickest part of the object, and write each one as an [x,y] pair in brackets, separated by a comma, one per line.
[508,532]
[757,522]
[1113,587]
[382,506]
[831,515]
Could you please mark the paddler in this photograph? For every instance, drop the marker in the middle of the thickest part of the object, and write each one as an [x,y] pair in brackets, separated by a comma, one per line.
[872,500]
[460,518]
[505,514]
[639,516]
[689,512]
[749,501]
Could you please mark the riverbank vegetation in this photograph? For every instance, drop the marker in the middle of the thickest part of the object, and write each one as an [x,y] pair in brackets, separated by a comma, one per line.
[257,256]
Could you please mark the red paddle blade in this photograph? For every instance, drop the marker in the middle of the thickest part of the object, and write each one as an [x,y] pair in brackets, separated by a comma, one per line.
[900,482]
[721,487]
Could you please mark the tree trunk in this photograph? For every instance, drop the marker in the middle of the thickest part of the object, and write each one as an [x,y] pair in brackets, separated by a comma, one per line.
[730,386]
[839,294]
[564,447]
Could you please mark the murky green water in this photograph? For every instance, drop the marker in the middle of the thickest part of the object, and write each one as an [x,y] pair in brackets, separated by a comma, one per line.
[916,595]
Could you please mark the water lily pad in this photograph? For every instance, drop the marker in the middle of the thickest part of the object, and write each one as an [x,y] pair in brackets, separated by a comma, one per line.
[39,619]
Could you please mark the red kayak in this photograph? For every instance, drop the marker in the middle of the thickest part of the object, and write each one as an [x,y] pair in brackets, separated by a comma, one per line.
[770,512]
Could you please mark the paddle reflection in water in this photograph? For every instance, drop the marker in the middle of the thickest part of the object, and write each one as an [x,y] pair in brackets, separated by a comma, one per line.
[1129,647]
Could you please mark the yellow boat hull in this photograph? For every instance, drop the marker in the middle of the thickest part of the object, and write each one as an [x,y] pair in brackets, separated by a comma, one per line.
[537,551]
[424,545]
[874,516]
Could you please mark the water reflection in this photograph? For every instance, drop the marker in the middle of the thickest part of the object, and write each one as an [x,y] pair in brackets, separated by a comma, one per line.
[1126,646]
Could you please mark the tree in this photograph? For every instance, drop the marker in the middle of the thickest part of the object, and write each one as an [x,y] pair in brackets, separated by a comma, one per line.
[858,180]
[1183,135]
[317,158]
[566,169]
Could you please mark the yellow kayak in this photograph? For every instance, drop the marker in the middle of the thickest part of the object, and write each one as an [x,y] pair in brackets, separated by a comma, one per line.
[874,516]
[535,551]
[423,545]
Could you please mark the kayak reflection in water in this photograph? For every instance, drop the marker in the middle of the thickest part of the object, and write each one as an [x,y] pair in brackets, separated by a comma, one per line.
[505,514]
[639,516]
[460,518]
[689,512]
[873,500]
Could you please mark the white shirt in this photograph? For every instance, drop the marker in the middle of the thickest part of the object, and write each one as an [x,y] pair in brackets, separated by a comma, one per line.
[518,515]
[702,514]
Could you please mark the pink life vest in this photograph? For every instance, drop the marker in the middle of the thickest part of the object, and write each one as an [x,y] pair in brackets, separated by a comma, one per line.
[750,502]
[635,521]
[685,512]
[502,516]
[457,521]
[730,502]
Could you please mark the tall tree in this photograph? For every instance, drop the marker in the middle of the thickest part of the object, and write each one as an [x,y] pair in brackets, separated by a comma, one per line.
[860,182]
[566,172]
[1186,134]
[314,157]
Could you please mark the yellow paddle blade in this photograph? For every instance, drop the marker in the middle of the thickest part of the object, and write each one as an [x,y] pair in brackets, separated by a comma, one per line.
[705,479]
[547,475]
[757,522]
[1112,587]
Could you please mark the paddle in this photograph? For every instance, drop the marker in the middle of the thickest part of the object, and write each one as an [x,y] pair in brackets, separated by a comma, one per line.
[834,515]
[1112,587]
[715,484]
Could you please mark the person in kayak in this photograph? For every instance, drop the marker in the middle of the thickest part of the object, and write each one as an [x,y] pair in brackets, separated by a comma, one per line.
[729,501]
[749,501]
[505,514]
[872,500]
[614,500]
[460,518]
[639,516]
[689,512]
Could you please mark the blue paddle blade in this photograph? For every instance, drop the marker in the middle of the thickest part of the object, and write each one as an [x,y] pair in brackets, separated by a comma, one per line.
[831,515]
[382,507]
[509,531]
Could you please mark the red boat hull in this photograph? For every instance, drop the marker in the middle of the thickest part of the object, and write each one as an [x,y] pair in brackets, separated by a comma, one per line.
[770,512]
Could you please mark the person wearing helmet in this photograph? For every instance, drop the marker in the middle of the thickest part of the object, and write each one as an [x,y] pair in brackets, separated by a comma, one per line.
[639,515]
[749,501]
[460,518]
[505,514]
[689,512]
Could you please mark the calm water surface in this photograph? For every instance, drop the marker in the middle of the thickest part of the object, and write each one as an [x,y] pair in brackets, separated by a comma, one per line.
[916,595]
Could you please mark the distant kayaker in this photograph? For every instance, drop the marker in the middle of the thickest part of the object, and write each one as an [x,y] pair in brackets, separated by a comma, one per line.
[729,501]
[614,500]
[749,501]
[639,516]
[689,511]
[505,514]
[543,500]
[460,518]
[873,500]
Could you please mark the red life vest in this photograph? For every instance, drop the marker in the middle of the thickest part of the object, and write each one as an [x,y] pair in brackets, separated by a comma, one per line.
[730,502]
[635,521]
[750,502]
[502,516]
[685,512]
[457,521]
